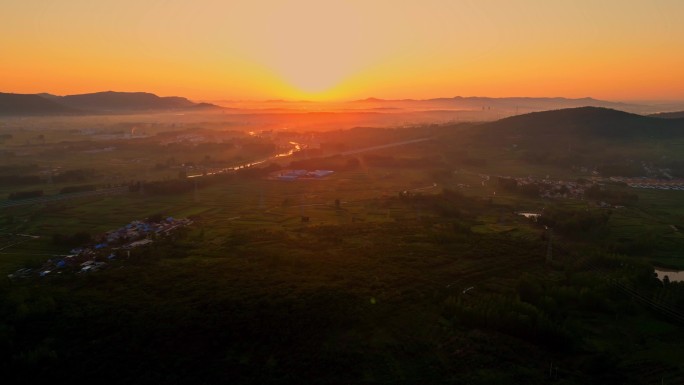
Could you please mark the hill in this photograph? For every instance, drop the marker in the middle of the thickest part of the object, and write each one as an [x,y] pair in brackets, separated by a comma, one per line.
[26,104]
[585,123]
[110,101]
[613,143]
[94,103]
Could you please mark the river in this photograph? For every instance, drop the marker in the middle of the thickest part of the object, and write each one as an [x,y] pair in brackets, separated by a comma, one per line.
[295,148]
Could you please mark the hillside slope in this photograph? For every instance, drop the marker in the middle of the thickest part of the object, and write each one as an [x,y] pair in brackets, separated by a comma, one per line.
[583,123]
[27,104]
[94,103]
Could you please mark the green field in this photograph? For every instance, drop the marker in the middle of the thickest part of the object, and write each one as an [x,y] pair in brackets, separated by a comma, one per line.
[422,273]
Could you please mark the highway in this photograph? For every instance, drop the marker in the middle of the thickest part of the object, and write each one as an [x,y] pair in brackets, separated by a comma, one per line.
[383,146]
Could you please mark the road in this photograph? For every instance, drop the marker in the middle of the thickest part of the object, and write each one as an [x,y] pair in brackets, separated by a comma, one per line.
[383,146]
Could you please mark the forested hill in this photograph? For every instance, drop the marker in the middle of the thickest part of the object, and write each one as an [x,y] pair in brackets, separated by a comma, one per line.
[110,100]
[94,103]
[583,123]
[26,104]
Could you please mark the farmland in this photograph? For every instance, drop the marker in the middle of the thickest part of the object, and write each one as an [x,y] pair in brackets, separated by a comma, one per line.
[406,264]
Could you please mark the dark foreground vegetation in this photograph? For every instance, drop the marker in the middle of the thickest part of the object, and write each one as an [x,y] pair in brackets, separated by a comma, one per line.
[427,300]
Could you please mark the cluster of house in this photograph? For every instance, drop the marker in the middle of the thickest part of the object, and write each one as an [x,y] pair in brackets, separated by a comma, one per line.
[563,189]
[113,244]
[138,230]
[291,175]
[185,138]
[650,183]
[555,188]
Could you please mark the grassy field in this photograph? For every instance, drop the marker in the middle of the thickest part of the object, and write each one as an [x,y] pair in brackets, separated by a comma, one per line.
[250,203]
[657,221]
[656,218]
[252,281]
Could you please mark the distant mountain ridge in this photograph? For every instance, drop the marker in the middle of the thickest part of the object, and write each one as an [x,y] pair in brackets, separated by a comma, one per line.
[509,105]
[112,101]
[93,103]
[669,115]
[27,104]
[137,102]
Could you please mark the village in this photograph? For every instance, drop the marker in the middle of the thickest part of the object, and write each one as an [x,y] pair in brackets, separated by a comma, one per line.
[651,183]
[112,245]
[554,188]
[292,175]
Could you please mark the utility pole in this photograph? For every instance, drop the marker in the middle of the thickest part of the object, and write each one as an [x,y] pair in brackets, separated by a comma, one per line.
[195,192]
[301,205]
[549,251]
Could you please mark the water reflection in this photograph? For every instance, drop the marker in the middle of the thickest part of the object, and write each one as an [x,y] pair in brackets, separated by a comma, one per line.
[673,275]
[295,147]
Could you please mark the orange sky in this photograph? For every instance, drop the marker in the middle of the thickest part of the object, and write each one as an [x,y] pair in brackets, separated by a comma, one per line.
[337,50]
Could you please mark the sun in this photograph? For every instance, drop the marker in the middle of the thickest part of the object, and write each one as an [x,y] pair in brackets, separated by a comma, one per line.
[312,45]
[313,79]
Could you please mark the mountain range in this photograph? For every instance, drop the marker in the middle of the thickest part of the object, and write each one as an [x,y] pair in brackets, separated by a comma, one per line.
[94,103]
[516,105]
[139,102]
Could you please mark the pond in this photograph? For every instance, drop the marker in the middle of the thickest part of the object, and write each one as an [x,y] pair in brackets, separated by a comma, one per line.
[529,215]
[673,275]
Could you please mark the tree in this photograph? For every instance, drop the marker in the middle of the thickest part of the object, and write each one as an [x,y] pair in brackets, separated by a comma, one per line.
[666,280]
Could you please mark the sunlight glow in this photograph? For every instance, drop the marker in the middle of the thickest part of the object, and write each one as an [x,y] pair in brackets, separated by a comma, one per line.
[344,49]
[312,45]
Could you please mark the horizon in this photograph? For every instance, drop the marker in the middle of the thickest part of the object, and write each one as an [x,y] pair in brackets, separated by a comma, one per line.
[369,98]
[343,51]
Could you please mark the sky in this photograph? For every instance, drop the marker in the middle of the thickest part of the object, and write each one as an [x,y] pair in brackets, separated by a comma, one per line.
[344,50]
